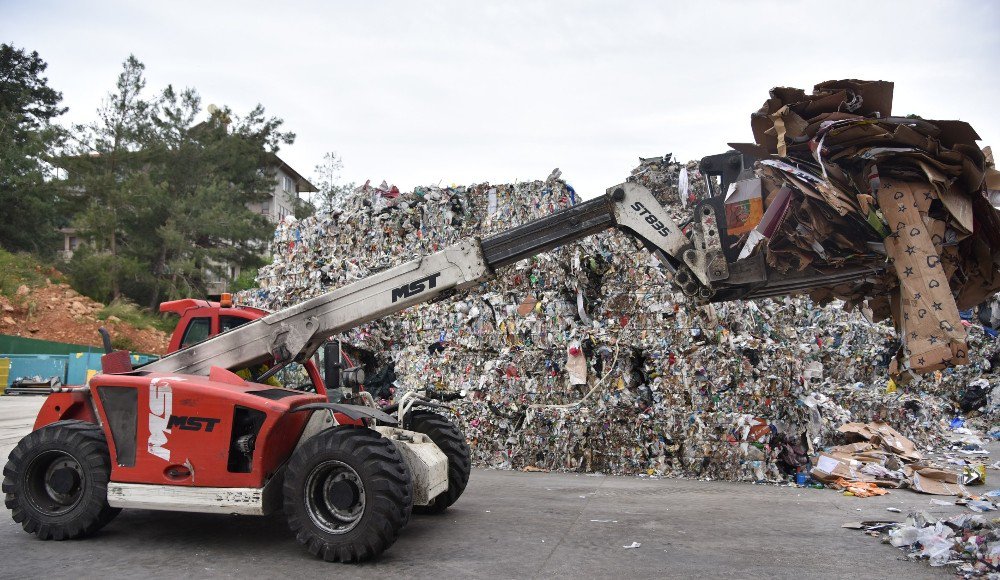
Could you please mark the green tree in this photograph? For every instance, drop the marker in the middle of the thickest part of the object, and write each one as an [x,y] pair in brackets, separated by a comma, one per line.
[27,139]
[107,179]
[211,170]
[165,194]
[301,208]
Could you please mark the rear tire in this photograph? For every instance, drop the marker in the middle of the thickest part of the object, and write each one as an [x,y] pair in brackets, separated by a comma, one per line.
[450,439]
[348,492]
[56,481]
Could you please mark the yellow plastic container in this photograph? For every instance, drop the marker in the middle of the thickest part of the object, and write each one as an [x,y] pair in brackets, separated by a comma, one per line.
[4,374]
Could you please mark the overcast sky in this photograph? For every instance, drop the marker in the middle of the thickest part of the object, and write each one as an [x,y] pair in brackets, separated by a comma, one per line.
[465,91]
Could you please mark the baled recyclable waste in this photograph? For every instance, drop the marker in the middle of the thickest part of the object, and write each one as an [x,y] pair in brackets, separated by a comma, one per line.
[585,357]
[841,182]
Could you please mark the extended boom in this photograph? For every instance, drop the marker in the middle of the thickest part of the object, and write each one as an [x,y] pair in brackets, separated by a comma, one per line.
[295,333]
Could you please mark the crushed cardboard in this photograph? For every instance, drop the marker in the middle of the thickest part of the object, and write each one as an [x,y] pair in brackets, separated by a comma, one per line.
[935,481]
[880,455]
[898,194]
[881,434]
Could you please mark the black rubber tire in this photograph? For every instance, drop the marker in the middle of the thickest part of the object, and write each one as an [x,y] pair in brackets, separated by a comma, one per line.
[450,439]
[78,441]
[387,490]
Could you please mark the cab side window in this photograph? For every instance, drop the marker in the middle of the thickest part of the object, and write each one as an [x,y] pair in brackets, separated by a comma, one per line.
[230,322]
[197,331]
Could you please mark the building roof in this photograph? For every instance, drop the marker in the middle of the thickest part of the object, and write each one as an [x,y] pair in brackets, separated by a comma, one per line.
[301,183]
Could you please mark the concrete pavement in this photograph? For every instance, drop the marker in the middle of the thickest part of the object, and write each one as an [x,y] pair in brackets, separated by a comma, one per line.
[507,525]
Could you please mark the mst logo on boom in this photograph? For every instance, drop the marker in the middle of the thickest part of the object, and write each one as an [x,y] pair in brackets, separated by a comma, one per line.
[415,287]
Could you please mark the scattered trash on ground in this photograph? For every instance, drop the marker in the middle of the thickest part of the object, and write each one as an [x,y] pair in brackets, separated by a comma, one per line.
[970,542]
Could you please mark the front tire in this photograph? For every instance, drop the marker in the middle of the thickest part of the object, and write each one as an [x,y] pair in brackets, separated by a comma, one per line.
[450,440]
[347,492]
[56,481]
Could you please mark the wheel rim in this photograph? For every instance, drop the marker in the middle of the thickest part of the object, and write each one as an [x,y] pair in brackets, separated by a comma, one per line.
[54,482]
[335,497]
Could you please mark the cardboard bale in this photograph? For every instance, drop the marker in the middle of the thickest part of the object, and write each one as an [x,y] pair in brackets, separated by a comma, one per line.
[867,186]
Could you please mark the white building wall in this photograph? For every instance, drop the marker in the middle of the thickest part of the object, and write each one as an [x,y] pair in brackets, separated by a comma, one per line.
[280,204]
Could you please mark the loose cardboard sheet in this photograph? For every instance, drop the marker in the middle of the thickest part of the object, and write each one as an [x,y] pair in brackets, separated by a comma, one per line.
[927,315]
[935,481]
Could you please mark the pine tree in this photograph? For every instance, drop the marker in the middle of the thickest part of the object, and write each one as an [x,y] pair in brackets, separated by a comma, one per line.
[211,171]
[27,140]
[106,175]
[165,195]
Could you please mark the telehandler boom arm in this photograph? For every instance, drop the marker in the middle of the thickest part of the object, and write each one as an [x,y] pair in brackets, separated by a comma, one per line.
[294,333]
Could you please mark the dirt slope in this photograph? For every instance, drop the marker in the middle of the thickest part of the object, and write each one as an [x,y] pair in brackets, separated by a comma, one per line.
[57,312]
